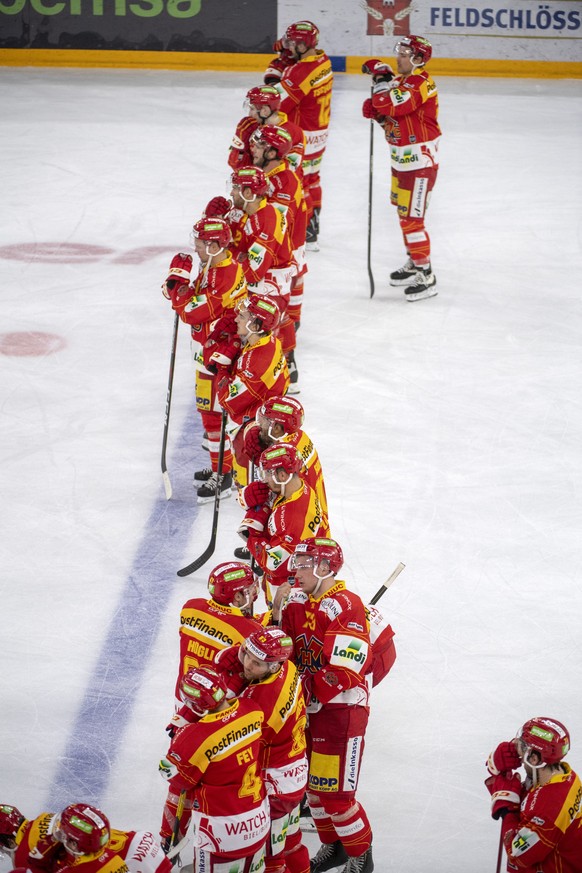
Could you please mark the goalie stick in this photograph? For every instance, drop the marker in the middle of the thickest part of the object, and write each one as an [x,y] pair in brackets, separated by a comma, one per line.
[165,474]
[209,550]
[306,824]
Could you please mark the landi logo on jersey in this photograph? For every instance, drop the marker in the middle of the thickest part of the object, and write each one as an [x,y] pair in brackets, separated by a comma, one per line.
[349,650]
[406,157]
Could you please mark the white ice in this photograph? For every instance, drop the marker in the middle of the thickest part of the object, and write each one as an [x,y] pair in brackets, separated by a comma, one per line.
[449,430]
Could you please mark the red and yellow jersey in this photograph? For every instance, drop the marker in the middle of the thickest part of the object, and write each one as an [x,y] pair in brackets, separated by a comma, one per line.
[410,107]
[548,836]
[211,293]
[218,759]
[306,93]
[331,640]
[261,372]
[266,241]
[36,850]
[239,153]
[126,852]
[292,519]
[295,156]
[207,627]
[280,696]
[286,193]
[313,474]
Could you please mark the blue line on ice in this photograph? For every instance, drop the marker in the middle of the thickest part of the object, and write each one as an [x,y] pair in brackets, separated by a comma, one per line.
[83,771]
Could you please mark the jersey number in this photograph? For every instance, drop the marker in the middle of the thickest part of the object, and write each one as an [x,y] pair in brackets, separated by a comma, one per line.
[251,786]
[324,109]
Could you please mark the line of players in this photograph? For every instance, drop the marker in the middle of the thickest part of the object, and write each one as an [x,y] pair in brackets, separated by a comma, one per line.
[243,304]
[242,752]
[266,710]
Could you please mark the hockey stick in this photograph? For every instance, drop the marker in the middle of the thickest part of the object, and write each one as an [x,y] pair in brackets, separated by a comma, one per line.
[384,588]
[175,847]
[165,474]
[371,176]
[209,550]
[500,852]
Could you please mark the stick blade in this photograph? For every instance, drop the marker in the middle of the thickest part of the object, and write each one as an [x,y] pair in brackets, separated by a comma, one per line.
[199,562]
[167,484]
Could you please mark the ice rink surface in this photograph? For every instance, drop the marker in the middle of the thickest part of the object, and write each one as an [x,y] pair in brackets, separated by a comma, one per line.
[449,432]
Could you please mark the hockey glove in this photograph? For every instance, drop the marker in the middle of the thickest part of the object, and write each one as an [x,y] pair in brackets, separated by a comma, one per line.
[505,757]
[218,207]
[380,71]
[312,704]
[505,794]
[224,355]
[178,275]
[252,444]
[368,110]
[254,522]
[254,495]
[275,70]
[229,660]
[224,327]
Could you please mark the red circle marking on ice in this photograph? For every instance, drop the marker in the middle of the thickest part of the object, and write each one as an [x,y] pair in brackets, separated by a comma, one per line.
[30,343]
[54,252]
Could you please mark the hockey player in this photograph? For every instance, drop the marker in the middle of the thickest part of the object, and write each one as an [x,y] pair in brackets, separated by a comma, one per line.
[80,837]
[271,681]
[332,651]
[541,817]
[279,515]
[215,760]
[406,107]
[280,420]
[208,626]
[260,370]
[199,303]
[28,843]
[264,108]
[269,148]
[304,76]
[262,236]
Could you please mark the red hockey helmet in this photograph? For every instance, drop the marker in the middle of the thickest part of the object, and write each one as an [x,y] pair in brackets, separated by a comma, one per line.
[286,411]
[301,31]
[251,177]
[213,230]
[82,829]
[281,456]
[271,645]
[318,549]
[203,689]
[266,95]
[262,310]
[546,736]
[10,820]
[228,579]
[416,45]
[270,137]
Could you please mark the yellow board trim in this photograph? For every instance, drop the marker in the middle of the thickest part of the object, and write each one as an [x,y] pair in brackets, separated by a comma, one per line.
[507,69]
[123,59]
[256,63]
